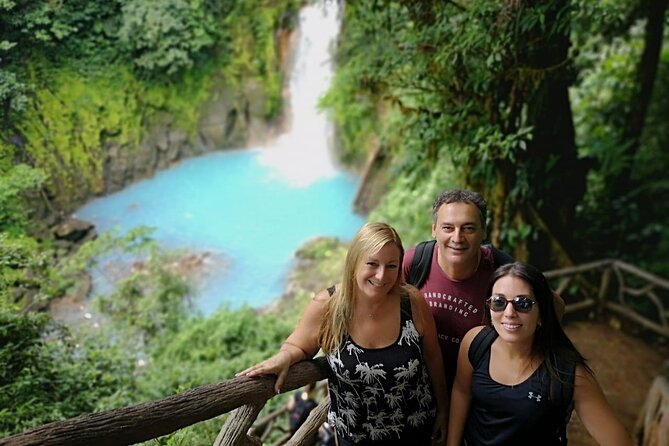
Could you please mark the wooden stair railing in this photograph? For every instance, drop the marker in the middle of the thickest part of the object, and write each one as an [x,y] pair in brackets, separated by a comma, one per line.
[142,422]
[270,423]
[621,296]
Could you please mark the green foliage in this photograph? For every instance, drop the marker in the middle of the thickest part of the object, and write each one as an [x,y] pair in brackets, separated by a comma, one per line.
[85,96]
[221,344]
[69,123]
[200,434]
[15,179]
[408,204]
[439,90]
[205,351]
[432,84]
[38,26]
[166,35]
[354,119]
[74,119]
[151,300]
[250,49]
[44,379]
[89,256]
[630,227]
[438,86]
[600,101]
[148,299]
[27,276]
[13,95]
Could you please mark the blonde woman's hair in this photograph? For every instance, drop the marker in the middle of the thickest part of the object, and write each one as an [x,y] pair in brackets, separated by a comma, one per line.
[369,240]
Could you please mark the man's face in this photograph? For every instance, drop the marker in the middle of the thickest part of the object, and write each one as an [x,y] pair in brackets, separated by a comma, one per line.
[459,232]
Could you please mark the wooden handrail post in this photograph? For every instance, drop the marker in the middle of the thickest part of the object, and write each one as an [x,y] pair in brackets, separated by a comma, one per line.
[652,426]
[234,430]
[603,290]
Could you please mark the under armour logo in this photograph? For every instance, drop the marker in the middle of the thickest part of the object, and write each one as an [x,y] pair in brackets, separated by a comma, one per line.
[531,396]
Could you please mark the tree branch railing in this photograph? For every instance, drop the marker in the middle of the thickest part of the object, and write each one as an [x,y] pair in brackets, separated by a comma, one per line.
[145,421]
[619,287]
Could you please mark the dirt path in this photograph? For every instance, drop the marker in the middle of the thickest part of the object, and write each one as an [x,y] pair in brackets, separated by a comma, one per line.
[625,368]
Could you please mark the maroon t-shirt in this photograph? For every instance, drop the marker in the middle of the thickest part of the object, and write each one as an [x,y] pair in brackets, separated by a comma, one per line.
[457,305]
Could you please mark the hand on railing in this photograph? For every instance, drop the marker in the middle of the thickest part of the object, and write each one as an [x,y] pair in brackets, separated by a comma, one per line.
[276,365]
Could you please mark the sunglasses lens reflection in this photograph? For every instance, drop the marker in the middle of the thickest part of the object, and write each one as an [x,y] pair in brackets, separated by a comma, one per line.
[520,304]
[523,304]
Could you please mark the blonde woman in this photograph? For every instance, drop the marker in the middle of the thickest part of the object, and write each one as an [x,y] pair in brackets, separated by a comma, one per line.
[386,381]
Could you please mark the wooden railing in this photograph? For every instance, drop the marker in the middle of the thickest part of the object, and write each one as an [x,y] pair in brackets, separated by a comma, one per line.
[141,422]
[619,287]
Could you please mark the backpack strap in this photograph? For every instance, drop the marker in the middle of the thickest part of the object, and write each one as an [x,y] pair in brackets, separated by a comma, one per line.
[499,257]
[421,263]
[563,388]
[480,344]
[405,305]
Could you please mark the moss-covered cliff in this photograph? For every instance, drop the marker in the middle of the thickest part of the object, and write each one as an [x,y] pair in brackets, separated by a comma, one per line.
[93,125]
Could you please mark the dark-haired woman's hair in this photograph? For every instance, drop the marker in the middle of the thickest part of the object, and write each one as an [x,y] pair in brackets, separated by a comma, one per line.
[550,341]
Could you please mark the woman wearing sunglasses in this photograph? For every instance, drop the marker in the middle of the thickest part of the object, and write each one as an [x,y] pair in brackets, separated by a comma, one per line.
[519,376]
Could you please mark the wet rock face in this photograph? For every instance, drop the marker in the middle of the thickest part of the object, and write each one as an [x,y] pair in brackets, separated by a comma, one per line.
[74,230]
[71,233]
[230,119]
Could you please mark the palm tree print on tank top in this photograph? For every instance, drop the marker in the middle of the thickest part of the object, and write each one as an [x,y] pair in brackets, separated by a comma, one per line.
[382,395]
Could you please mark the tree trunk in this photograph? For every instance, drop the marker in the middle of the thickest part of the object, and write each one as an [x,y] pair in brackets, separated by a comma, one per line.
[655,11]
[555,176]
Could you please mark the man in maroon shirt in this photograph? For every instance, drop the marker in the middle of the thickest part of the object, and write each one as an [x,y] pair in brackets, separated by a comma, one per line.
[455,288]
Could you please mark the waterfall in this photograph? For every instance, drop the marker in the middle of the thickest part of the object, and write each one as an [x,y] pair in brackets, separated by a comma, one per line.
[245,212]
[304,153]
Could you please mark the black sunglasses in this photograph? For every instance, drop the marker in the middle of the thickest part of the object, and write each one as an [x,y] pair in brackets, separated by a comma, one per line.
[522,304]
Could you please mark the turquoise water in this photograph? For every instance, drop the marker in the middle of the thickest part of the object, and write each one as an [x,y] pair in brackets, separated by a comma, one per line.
[231,204]
[251,209]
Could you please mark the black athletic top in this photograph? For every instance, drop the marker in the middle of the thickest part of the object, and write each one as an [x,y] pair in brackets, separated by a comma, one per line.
[513,415]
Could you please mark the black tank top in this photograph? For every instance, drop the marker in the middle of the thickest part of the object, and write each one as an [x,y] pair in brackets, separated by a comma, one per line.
[382,396]
[513,415]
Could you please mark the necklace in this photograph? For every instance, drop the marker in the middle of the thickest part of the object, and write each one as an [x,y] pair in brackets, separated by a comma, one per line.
[518,376]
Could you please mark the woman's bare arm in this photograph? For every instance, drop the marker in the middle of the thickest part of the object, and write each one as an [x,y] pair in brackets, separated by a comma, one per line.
[301,344]
[596,413]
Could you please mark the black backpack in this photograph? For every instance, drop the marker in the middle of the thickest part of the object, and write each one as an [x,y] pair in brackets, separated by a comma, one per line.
[563,389]
[300,411]
[326,435]
[422,261]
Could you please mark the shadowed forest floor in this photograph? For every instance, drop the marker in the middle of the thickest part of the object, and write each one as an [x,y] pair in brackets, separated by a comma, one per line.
[625,367]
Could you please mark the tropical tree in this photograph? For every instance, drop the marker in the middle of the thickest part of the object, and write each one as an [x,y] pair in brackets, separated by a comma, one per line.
[486,87]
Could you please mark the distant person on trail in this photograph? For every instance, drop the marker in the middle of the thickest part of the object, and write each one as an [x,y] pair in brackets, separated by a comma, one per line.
[452,271]
[299,406]
[519,377]
[386,378]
